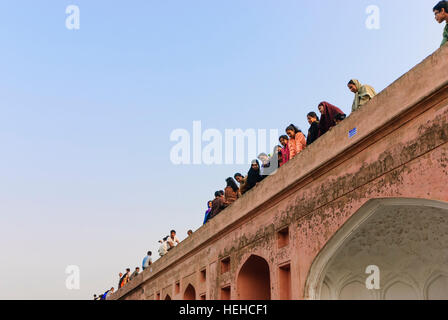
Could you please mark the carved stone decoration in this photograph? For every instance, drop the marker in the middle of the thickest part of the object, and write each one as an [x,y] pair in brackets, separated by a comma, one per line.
[406,239]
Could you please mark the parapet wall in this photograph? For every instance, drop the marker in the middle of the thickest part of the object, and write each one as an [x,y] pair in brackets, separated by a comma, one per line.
[399,151]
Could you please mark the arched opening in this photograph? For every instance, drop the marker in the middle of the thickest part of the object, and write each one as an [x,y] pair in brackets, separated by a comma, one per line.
[168,298]
[351,291]
[400,291]
[254,280]
[406,239]
[190,293]
[437,288]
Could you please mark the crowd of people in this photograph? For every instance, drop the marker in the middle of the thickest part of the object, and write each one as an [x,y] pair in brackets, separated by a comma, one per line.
[291,144]
[166,244]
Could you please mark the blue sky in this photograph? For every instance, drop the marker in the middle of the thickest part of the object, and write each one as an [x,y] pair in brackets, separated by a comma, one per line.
[86,115]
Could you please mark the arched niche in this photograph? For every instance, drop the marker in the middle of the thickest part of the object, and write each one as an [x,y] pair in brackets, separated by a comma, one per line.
[190,293]
[405,237]
[254,282]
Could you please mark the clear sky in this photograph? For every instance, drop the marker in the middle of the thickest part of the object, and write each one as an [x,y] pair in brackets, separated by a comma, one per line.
[86,115]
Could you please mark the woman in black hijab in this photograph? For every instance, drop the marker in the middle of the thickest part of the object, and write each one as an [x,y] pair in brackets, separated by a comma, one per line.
[253,176]
[313,131]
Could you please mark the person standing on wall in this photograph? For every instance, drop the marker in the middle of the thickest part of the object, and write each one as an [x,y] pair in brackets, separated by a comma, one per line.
[242,181]
[328,113]
[120,281]
[254,176]
[231,192]
[297,140]
[218,204]
[284,140]
[363,93]
[209,210]
[172,240]
[135,273]
[441,14]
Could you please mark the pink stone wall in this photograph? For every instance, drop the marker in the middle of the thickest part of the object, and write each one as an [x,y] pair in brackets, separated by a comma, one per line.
[400,151]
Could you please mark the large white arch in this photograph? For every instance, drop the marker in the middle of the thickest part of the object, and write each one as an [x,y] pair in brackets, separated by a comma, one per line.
[410,224]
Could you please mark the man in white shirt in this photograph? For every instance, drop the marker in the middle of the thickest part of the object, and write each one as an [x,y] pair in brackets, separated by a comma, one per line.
[163,247]
[172,240]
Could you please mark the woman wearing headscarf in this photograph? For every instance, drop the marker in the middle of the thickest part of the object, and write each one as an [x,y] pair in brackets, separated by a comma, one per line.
[207,213]
[313,131]
[297,140]
[126,277]
[253,176]
[231,192]
[363,93]
[328,114]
